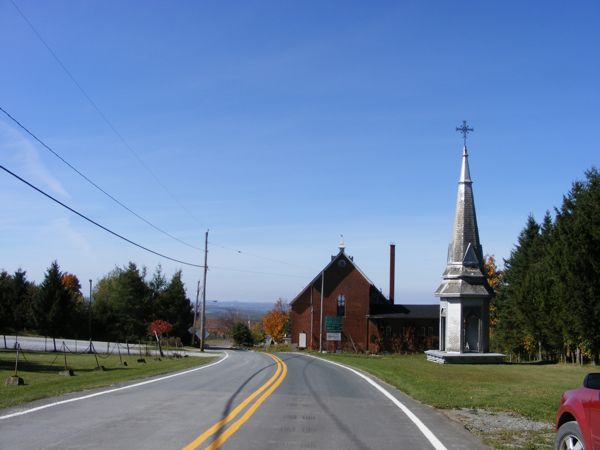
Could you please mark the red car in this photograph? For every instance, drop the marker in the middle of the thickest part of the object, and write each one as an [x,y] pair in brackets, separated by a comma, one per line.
[578,417]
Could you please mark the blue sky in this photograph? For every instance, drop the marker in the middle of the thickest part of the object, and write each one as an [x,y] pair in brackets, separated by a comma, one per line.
[281,125]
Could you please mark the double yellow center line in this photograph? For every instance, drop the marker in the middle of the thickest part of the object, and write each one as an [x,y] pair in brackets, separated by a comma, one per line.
[266,390]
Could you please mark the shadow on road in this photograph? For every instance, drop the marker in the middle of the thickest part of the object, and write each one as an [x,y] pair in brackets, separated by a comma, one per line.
[230,401]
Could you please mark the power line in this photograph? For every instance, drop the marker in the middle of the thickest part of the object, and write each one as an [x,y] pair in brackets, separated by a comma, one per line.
[266,258]
[99,111]
[83,216]
[86,178]
[257,272]
[96,223]
[125,143]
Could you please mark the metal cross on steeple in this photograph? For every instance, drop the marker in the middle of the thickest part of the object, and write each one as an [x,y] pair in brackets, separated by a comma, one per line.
[464,130]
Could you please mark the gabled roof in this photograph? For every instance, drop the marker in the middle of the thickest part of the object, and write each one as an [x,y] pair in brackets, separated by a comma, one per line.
[334,259]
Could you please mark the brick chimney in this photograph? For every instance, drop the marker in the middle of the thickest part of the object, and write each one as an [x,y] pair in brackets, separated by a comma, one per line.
[392,271]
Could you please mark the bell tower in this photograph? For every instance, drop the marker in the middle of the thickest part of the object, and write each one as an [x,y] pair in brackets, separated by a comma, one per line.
[464,292]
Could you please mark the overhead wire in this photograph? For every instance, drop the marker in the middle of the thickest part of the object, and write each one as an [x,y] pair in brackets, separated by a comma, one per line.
[100,113]
[83,216]
[258,272]
[86,178]
[124,142]
[254,255]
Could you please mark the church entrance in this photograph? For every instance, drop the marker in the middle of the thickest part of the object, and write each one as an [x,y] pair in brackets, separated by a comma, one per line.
[443,333]
[472,332]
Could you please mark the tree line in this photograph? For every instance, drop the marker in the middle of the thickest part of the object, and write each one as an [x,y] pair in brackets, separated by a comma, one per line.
[275,325]
[547,299]
[124,304]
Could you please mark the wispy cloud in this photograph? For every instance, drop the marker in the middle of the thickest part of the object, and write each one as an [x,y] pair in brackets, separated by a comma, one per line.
[26,156]
[63,229]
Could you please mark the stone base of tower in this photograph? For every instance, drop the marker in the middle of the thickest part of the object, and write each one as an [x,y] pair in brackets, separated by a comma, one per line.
[441,357]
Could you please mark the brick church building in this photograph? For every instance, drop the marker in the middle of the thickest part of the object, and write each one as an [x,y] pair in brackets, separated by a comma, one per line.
[341,309]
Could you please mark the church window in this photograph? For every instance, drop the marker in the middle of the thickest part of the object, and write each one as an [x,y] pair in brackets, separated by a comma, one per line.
[341,305]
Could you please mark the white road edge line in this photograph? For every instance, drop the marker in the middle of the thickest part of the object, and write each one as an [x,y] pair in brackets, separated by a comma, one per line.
[110,391]
[433,440]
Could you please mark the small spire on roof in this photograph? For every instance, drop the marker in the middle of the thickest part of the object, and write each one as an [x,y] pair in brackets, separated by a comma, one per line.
[465,172]
[341,245]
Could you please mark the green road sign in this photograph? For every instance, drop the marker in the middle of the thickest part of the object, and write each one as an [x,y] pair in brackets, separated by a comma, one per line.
[334,324]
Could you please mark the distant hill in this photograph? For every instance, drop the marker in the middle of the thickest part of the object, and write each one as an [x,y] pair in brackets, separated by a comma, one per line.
[245,310]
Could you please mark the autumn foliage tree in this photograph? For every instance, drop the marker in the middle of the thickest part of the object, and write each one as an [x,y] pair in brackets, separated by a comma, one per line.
[494,279]
[258,334]
[159,327]
[71,282]
[276,321]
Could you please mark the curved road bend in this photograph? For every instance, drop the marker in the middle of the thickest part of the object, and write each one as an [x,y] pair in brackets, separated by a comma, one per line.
[248,401]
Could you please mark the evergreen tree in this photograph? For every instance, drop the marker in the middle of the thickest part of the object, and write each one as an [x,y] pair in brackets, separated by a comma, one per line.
[5,303]
[21,294]
[156,286]
[242,335]
[122,306]
[578,244]
[547,280]
[53,306]
[131,302]
[174,307]
[513,294]
[549,301]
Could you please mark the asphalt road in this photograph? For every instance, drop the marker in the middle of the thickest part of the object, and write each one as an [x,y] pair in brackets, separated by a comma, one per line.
[247,401]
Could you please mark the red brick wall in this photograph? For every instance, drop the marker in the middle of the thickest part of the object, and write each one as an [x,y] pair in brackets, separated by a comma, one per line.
[338,280]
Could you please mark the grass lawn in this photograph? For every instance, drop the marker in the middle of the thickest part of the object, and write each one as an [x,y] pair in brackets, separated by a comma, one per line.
[532,390]
[40,372]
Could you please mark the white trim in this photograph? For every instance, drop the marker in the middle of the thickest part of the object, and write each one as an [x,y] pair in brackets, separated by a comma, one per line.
[433,440]
[110,391]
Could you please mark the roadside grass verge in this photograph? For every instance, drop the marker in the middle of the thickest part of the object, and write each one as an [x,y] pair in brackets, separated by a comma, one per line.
[275,348]
[530,390]
[40,373]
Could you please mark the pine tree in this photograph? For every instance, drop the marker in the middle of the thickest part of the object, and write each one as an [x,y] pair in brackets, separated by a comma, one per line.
[5,303]
[175,307]
[578,245]
[513,295]
[131,302]
[53,305]
[21,300]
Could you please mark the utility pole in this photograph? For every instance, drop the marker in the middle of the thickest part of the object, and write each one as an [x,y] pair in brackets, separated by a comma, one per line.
[203,315]
[90,319]
[195,313]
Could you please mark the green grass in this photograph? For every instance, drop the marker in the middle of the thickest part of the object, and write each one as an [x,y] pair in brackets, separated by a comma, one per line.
[40,372]
[521,439]
[275,348]
[532,390]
